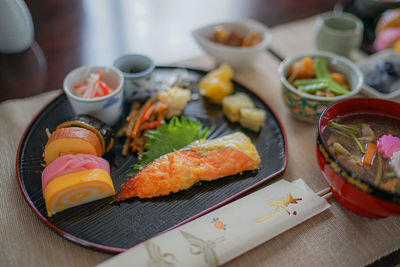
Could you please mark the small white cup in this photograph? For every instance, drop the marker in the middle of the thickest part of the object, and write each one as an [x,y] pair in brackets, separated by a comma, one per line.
[137,70]
[106,108]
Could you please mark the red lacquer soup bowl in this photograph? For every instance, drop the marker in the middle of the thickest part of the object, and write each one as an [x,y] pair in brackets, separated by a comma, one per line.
[353,192]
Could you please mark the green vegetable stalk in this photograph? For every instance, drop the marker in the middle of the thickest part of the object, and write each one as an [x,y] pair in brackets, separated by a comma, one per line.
[309,82]
[321,68]
[322,81]
[351,130]
[311,88]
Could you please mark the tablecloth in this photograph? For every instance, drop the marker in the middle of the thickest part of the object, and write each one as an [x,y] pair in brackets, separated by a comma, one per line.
[334,237]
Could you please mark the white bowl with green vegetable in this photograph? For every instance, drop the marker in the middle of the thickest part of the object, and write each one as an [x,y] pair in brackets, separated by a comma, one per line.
[313,81]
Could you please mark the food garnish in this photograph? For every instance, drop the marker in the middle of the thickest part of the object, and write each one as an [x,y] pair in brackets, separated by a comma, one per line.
[301,69]
[75,173]
[71,140]
[150,115]
[252,118]
[388,144]
[94,87]
[387,31]
[384,76]
[203,160]
[98,127]
[313,77]
[76,188]
[168,137]
[240,108]
[369,153]
[224,36]
[217,83]
[175,98]
[72,180]
[232,104]
[140,119]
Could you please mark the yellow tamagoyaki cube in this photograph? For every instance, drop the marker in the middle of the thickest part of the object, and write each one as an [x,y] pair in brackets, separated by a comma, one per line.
[252,118]
[223,72]
[215,89]
[232,104]
[217,84]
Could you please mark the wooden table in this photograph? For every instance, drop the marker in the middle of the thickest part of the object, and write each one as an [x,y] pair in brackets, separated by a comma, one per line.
[70,33]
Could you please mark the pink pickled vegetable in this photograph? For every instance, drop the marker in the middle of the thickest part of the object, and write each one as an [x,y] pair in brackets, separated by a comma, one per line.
[386,38]
[388,144]
[72,163]
[93,88]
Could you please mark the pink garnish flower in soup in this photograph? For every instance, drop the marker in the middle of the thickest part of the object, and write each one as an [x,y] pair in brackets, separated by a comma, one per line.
[388,144]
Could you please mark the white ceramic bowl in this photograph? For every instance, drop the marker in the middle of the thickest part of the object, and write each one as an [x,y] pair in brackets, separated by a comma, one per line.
[237,57]
[369,64]
[106,108]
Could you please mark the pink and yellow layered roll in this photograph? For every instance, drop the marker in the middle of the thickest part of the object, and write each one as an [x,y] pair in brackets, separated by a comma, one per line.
[72,163]
[73,180]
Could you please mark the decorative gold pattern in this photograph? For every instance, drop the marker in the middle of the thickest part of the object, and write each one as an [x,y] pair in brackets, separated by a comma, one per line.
[280,205]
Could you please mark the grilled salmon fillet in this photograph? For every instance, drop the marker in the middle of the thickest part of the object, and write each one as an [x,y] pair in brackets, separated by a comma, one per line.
[203,160]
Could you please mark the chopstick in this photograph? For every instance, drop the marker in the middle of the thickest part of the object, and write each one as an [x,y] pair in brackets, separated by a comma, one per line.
[325,193]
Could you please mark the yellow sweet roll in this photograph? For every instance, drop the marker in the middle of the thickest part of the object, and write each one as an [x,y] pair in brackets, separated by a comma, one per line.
[72,140]
[77,188]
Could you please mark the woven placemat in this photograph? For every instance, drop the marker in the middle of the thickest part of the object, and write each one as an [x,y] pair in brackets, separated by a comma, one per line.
[335,237]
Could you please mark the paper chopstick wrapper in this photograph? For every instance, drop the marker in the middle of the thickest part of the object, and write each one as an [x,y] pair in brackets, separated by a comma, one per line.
[223,234]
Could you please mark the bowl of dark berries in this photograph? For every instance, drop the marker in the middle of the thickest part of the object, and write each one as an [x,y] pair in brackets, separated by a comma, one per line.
[382,75]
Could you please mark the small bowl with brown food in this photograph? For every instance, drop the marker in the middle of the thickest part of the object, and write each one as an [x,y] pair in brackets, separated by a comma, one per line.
[358,152]
[238,43]
[313,81]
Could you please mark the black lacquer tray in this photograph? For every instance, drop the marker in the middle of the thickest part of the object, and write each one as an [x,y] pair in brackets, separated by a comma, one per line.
[117,227]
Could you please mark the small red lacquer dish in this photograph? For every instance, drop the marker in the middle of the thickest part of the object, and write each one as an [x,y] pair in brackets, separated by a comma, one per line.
[349,189]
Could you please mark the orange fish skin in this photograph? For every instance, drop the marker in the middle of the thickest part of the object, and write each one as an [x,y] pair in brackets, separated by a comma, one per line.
[181,169]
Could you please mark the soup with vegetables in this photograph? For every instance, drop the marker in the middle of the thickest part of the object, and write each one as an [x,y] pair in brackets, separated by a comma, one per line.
[368,145]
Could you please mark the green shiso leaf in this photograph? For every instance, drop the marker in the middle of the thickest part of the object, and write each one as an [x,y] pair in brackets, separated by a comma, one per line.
[168,137]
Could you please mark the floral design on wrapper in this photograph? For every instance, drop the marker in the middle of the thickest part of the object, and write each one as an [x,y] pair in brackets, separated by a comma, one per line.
[199,246]
[156,257]
[280,205]
[218,224]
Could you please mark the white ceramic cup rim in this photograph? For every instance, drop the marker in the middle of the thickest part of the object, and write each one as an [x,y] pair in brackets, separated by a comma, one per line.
[323,17]
[96,99]
[140,74]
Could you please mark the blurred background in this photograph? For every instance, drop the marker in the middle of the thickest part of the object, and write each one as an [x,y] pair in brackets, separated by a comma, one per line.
[70,33]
